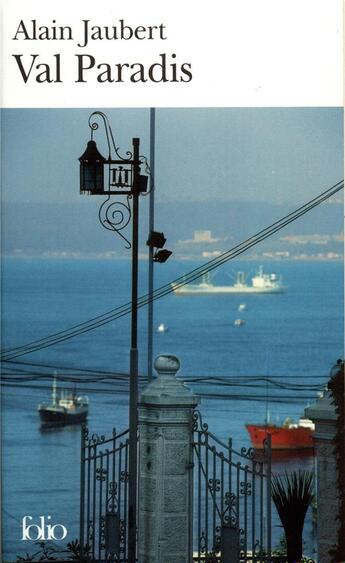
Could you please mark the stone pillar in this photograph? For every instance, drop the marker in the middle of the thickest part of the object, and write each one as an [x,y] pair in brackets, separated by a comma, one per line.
[323,414]
[165,467]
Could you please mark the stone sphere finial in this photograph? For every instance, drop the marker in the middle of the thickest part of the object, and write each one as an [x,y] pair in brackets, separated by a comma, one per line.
[166,388]
[167,364]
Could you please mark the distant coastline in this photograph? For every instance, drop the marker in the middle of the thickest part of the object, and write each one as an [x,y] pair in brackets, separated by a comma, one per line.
[265,257]
[55,231]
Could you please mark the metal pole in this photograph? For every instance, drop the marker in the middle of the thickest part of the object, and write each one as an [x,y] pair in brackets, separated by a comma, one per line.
[269,499]
[82,488]
[151,263]
[133,383]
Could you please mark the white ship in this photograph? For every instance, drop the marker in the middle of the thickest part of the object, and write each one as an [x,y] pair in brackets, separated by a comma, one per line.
[239,322]
[260,283]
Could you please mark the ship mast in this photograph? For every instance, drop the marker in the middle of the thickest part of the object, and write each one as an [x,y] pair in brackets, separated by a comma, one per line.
[54,394]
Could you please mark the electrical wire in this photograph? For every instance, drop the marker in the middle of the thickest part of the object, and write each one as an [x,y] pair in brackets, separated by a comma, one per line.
[164,290]
[125,309]
[10,366]
[242,381]
[299,398]
[59,367]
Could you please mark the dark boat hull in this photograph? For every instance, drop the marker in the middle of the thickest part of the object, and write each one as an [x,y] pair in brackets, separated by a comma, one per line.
[49,417]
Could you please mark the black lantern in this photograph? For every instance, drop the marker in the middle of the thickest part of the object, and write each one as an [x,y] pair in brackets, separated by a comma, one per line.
[92,170]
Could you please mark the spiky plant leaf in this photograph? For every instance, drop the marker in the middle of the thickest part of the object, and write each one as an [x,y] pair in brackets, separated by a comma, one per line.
[292,494]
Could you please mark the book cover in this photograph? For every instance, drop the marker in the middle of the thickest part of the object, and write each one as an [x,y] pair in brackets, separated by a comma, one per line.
[172,275]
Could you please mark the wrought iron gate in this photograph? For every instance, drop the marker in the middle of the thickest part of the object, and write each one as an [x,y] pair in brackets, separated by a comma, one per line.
[104,495]
[232,501]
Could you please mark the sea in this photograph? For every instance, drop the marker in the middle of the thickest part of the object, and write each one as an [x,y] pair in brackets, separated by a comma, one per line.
[273,365]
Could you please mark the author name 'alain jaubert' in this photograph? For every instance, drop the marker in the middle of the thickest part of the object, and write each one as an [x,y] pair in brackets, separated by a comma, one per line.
[32,67]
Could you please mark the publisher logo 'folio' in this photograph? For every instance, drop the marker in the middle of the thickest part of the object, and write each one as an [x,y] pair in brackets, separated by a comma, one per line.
[42,531]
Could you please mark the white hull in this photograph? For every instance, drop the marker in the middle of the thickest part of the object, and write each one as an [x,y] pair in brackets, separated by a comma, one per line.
[261,283]
[203,289]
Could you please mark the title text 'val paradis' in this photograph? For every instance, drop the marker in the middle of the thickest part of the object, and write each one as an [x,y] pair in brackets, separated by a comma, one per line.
[42,69]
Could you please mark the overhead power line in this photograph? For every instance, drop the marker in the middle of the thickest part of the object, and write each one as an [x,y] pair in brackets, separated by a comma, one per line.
[122,390]
[242,381]
[164,290]
[22,371]
[58,368]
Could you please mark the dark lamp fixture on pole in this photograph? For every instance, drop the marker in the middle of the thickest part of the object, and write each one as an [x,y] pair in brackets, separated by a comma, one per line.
[158,240]
[162,256]
[120,176]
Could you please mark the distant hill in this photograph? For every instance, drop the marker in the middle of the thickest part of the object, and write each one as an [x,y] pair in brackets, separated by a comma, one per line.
[44,228]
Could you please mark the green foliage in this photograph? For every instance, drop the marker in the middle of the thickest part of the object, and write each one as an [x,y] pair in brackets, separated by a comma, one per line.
[336,386]
[49,552]
[46,553]
[279,553]
[281,548]
[292,494]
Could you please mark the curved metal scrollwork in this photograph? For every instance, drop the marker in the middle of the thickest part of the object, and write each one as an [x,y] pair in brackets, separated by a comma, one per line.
[248,453]
[245,488]
[229,515]
[101,474]
[198,424]
[195,420]
[115,216]
[124,477]
[112,500]
[109,134]
[202,542]
[93,439]
[214,485]
[84,433]
[230,499]
[96,439]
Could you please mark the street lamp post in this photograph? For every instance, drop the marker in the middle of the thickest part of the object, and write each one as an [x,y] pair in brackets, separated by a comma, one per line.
[120,176]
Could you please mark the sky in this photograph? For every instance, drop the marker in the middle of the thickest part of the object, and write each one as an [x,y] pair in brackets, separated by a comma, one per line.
[280,155]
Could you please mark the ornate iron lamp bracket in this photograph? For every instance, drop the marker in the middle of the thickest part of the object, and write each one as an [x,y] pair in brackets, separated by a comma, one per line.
[109,134]
[121,173]
[115,216]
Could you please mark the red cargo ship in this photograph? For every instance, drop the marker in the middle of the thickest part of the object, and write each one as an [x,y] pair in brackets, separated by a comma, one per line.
[288,436]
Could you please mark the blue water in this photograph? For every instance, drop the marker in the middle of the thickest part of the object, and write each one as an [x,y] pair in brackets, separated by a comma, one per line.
[295,336]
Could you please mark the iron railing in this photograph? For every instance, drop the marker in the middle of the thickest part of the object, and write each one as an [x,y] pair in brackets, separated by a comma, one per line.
[232,500]
[104,496]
